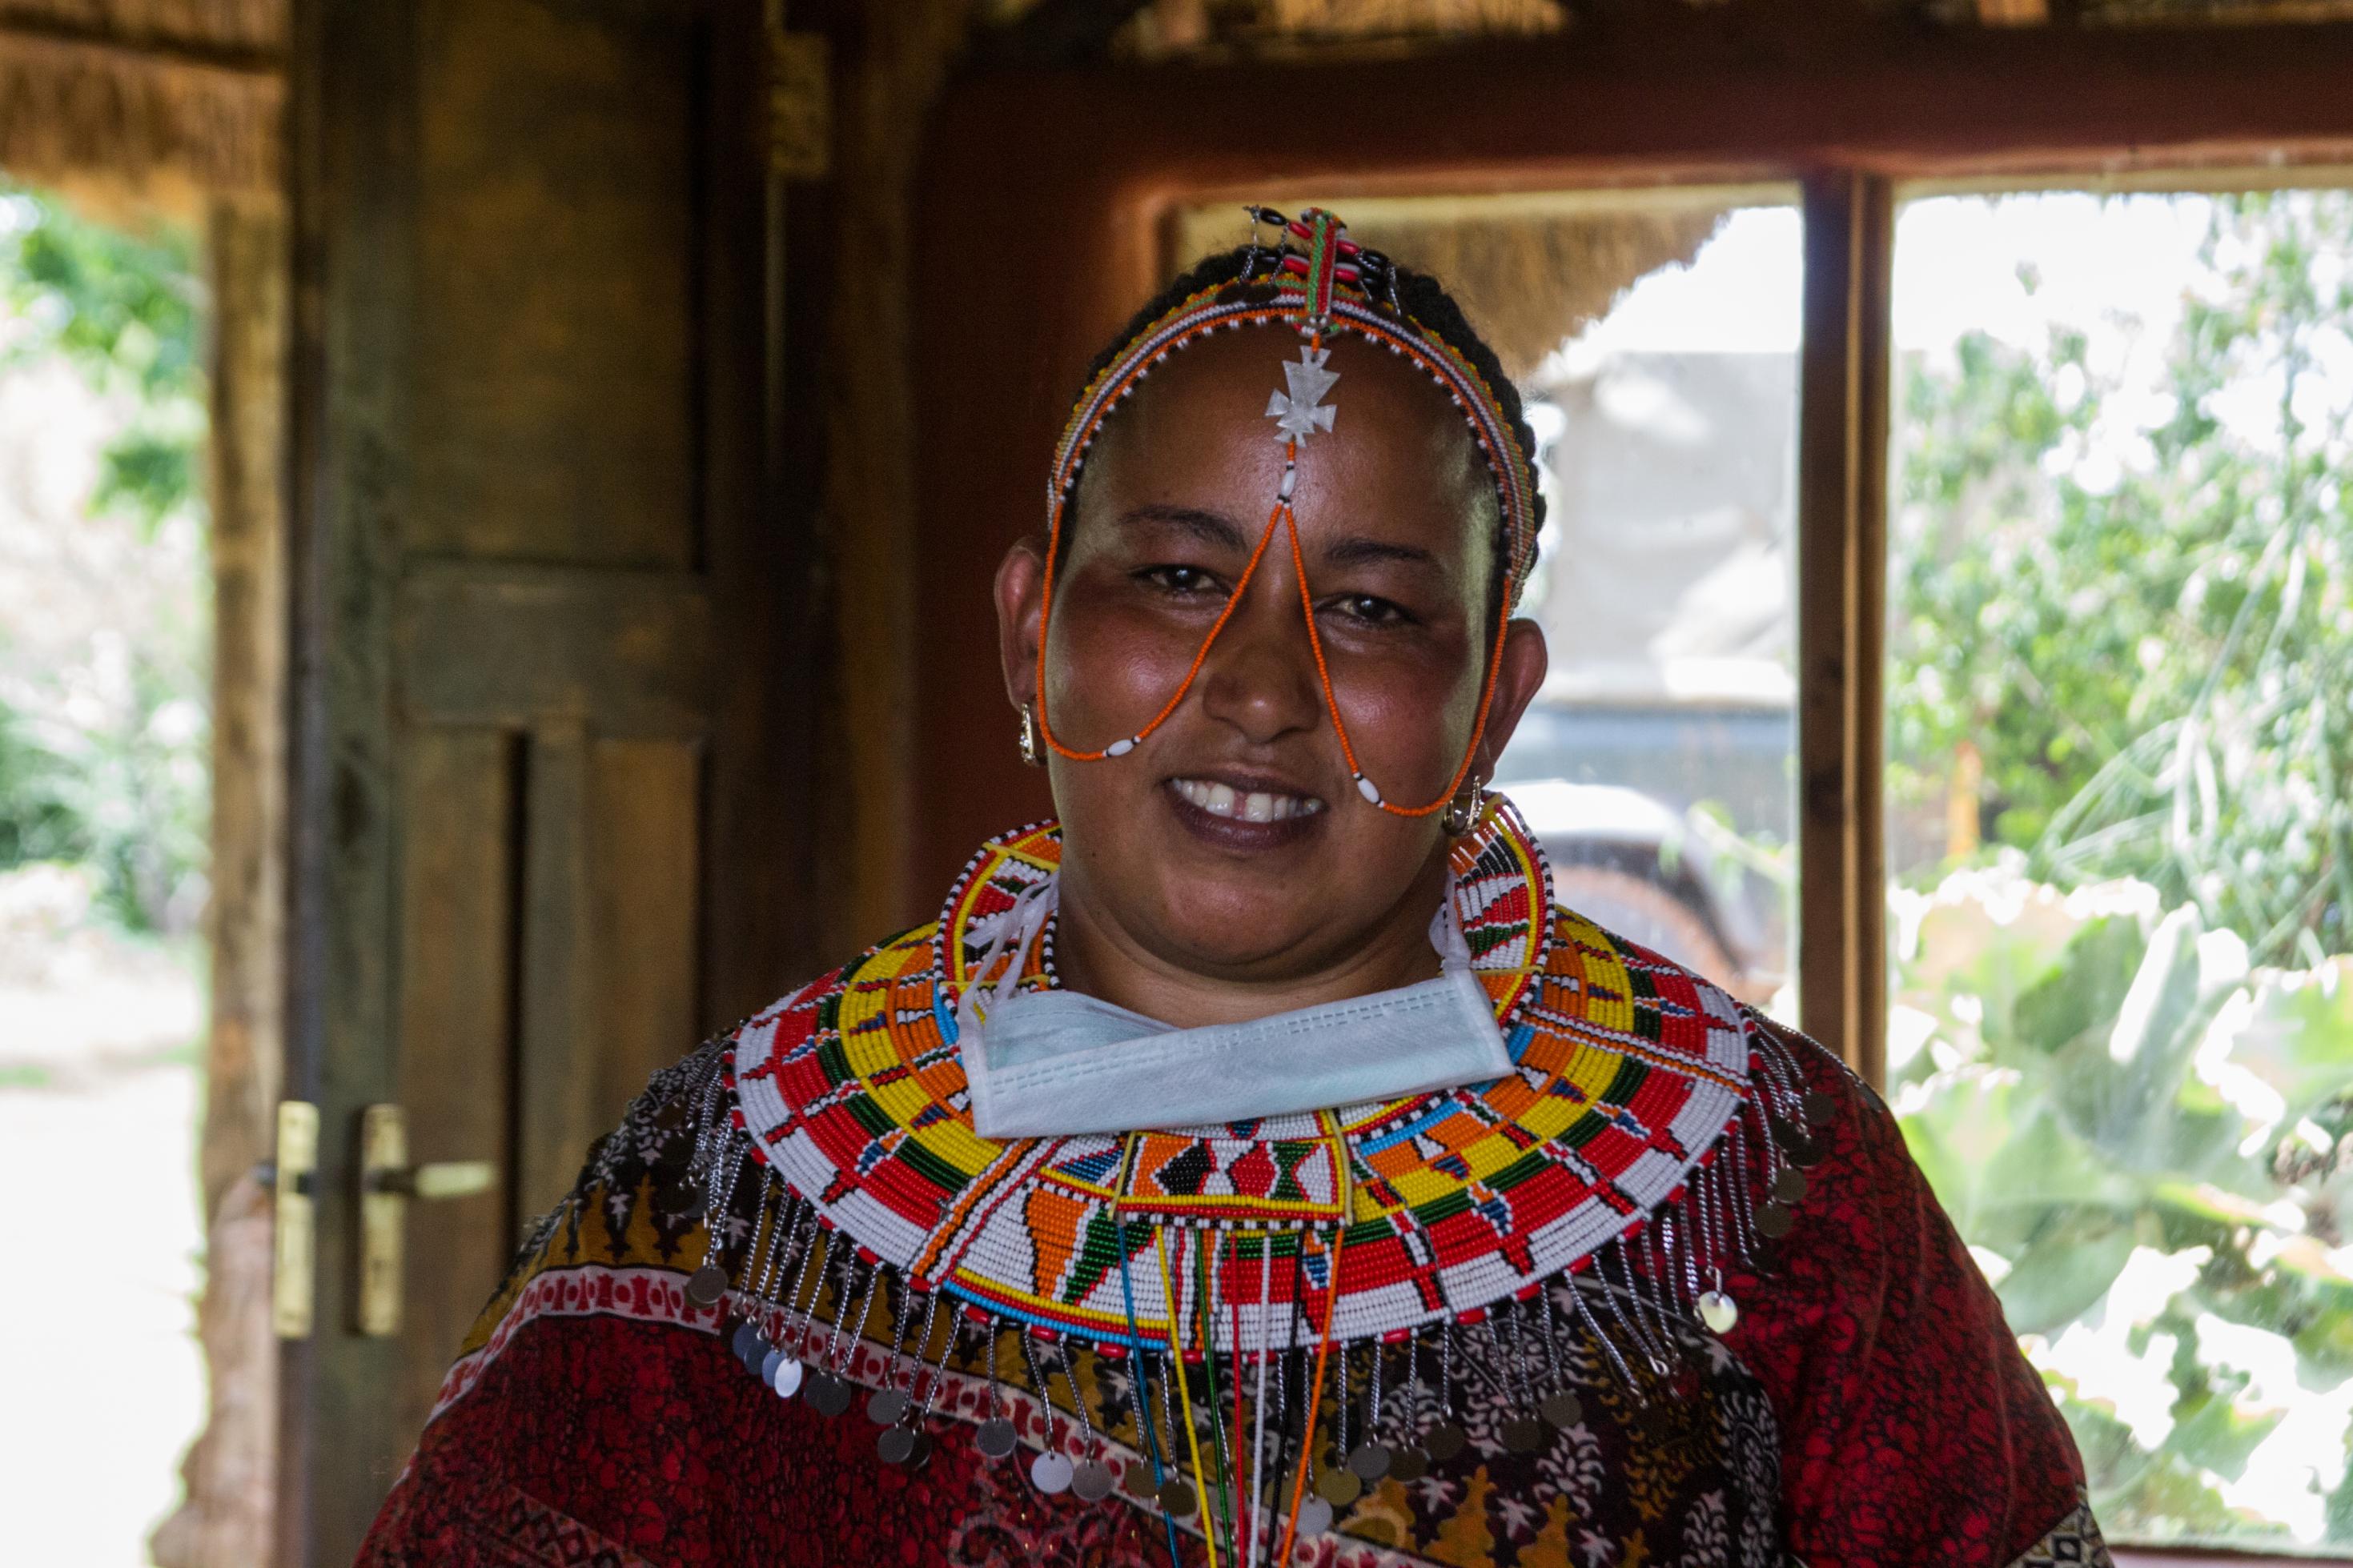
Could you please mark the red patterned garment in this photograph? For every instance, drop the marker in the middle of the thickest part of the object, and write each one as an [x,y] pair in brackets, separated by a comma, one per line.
[619,1401]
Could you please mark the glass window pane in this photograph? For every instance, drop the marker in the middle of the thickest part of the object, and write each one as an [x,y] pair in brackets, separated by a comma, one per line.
[1653,336]
[2120,821]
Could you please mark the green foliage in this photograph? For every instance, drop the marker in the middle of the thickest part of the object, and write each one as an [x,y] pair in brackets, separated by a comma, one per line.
[2144,627]
[104,728]
[38,821]
[2151,1138]
[125,309]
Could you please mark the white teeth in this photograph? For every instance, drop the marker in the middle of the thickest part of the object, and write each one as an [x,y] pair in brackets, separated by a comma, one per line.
[1255,806]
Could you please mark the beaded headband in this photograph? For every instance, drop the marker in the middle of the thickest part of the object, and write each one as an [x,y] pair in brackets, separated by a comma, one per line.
[1325,286]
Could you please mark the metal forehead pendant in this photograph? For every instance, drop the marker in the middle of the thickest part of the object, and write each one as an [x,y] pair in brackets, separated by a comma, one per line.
[1300,410]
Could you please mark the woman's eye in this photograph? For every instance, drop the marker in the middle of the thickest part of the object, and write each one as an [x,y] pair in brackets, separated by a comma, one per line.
[1371,610]
[1177,579]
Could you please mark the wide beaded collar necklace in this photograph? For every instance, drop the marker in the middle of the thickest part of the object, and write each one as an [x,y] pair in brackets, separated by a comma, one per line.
[1643,1142]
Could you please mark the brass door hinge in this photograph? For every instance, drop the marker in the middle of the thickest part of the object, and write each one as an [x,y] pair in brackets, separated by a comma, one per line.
[388,1181]
[291,1176]
[800,105]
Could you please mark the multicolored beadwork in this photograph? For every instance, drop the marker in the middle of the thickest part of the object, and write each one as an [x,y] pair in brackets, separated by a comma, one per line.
[1254,1309]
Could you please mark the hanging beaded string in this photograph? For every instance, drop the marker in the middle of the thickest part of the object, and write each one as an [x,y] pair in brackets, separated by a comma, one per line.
[1245,1468]
[1143,1388]
[1205,1307]
[1177,1375]
[1289,1395]
[1162,1470]
[1258,1414]
[846,1343]
[709,1284]
[1560,1404]
[998,1437]
[1316,1388]
[1051,1470]
[1308,295]
[1090,1478]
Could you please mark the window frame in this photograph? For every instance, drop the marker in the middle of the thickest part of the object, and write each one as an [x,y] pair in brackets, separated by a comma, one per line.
[1851,108]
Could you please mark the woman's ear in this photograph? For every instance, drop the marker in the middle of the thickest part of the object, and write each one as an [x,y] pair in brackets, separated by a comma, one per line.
[1020,616]
[1520,669]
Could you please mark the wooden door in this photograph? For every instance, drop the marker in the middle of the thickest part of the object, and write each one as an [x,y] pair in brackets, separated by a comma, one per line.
[550,663]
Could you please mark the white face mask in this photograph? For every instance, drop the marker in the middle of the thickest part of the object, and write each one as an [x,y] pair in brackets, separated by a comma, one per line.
[1059,1063]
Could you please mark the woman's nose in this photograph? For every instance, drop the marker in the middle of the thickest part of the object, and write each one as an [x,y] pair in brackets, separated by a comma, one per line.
[1259,674]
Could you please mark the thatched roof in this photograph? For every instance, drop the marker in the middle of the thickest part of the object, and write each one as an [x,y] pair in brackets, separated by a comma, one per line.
[153,100]
[1529,271]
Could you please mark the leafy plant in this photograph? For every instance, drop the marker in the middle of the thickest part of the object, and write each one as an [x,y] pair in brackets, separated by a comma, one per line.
[2146,1141]
[2143,626]
[104,677]
[124,307]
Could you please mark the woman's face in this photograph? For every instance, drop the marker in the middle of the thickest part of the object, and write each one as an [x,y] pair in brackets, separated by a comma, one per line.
[1233,842]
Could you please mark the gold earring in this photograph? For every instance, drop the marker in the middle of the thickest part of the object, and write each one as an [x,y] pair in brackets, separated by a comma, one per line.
[1464,811]
[1030,751]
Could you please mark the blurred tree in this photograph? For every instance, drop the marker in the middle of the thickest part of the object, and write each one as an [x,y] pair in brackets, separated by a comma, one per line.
[2144,627]
[126,308]
[103,729]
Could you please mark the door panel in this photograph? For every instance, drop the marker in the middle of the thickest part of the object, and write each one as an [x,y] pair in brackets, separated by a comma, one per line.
[456,1009]
[530,416]
[645,825]
[554,309]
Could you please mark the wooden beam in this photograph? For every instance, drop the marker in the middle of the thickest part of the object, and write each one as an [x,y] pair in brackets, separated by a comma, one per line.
[1058,33]
[1842,615]
[629,652]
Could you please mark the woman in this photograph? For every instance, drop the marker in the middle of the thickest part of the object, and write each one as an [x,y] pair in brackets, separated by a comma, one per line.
[1255,1167]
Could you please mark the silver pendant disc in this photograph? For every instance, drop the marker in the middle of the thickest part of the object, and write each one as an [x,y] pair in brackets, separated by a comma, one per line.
[1563,1409]
[1091,1482]
[1175,1498]
[1719,1312]
[787,1381]
[1409,1465]
[1773,1219]
[1789,1186]
[996,1437]
[1050,1473]
[887,1406]
[828,1394]
[1314,1516]
[1523,1435]
[1339,1488]
[1370,1462]
[1445,1440]
[706,1285]
[896,1446]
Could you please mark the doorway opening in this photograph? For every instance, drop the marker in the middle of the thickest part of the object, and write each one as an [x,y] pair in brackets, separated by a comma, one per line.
[141,686]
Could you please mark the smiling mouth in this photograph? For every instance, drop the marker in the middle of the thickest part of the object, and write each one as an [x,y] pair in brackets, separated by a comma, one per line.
[1244,805]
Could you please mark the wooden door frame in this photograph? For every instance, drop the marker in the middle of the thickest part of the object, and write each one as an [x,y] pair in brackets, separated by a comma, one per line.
[749,593]
[1041,222]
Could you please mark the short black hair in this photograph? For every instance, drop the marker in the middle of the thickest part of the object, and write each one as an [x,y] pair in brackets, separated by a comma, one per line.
[1416,294]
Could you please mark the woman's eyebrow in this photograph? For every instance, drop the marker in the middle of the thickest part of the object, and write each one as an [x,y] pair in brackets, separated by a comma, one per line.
[1358,551]
[1209,527]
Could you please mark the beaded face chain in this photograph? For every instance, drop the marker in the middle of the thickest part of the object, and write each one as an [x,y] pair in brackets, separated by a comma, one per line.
[1331,285]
